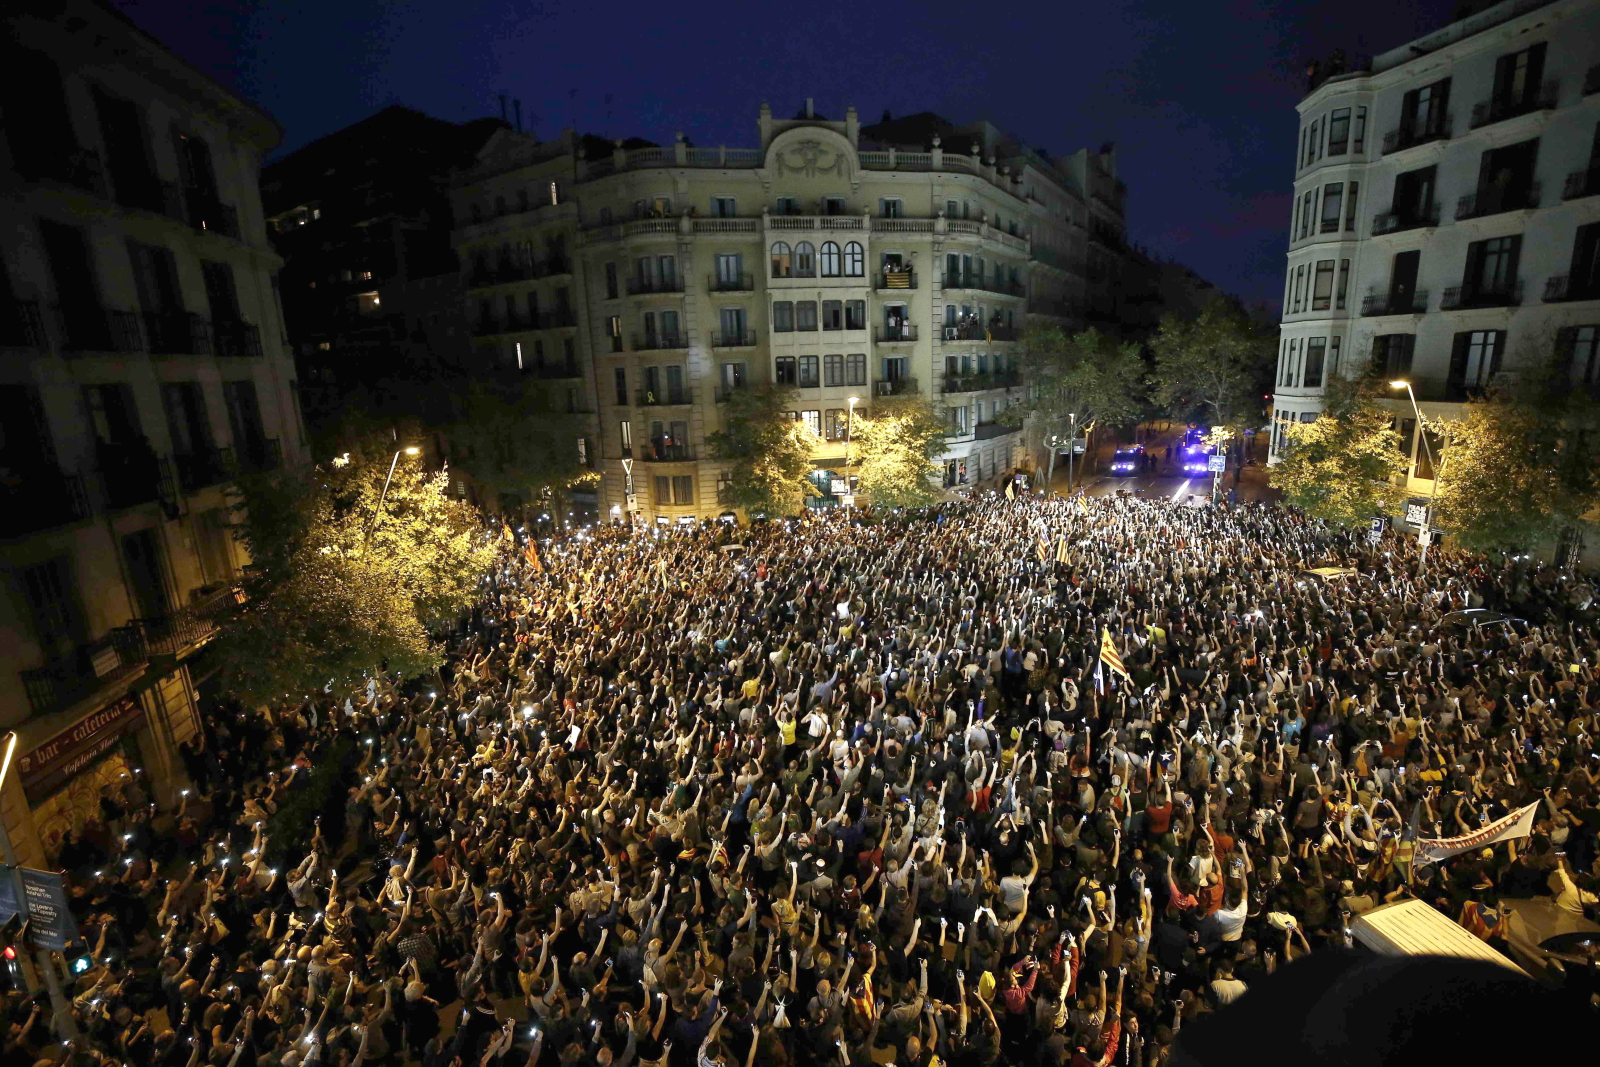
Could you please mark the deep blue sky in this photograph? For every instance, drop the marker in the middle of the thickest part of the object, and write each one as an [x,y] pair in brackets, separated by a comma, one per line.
[1199,97]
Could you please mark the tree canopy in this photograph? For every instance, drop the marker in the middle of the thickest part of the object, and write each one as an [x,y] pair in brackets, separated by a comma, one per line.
[1215,369]
[1343,468]
[338,587]
[896,448]
[513,440]
[767,449]
[1086,374]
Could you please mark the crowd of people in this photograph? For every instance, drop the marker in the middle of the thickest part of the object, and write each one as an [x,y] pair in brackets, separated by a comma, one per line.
[847,789]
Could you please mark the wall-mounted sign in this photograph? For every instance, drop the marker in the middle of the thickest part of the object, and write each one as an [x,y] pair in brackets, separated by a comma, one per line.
[47,767]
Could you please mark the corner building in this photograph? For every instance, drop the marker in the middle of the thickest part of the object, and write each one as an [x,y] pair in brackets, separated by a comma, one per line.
[644,285]
[1446,220]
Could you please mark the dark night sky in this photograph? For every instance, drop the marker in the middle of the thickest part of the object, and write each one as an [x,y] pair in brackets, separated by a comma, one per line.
[1198,97]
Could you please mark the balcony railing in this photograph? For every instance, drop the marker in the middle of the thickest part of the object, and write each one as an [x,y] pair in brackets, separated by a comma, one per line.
[92,328]
[1403,138]
[40,498]
[22,325]
[80,168]
[1500,109]
[1458,297]
[1564,287]
[199,469]
[1399,221]
[210,215]
[977,331]
[1381,303]
[656,342]
[114,658]
[894,387]
[1494,201]
[646,286]
[747,339]
[260,454]
[657,452]
[731,283]
[903,333]
[657,398]
[975,383]
[510,271]
[985,284]
[130,473]
[897,279]
[192,624]
[554,371]
[236,338]
[177,333]
[1581,183]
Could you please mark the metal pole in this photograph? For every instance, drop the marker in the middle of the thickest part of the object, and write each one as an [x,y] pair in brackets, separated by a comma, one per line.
[1072,448]
[1433,484]
[1052,443]
[61,1020]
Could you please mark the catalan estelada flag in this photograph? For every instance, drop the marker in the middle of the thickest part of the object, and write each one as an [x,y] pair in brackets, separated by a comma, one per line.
[1109,656]
[1061,550]
[531,554]
[1042,547]
[1011,490]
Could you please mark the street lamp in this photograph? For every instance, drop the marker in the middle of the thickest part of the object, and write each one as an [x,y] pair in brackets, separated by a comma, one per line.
[849,421]
[1433,483]
[410,450]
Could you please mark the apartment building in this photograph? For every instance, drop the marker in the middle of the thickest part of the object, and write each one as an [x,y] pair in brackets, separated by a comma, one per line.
[645,284]
[1446,221]
[143,359]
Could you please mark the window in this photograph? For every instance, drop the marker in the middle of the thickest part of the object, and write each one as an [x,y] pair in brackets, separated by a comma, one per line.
[1517,80]
[808,372]
[1343,294]
[1316,354]
[784,370]
[1424,111]
[855,369]
[832,370]
[1332,201]
[855,314]
[833,314]
[891,207]
[730,270]
[1322,287]
[1350,208]
[782,262]
[620,380]
[1358,139]
[1311,145]
[805,260]
[663,489]
[1306,204]
[683,489]
[833,422]
[1339,131]
[723,207]
[1582,346]
[555,193]
[611,281]
[833,205]
[733,326]
[1492,266]
[733,376]
[782,316]
[676,394]
[788,205]
[830,259]
[1333,358]
[614,331]
[855,260]
[1391,354]
[1474,361]
[667,273]
[52,600]
[805,315]
[813,421]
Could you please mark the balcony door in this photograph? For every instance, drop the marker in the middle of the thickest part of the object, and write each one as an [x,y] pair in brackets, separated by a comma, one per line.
[194,164]
[1492,266]
[1505,177]
[244,418]
[1474,361]
[147,573]
[1403,281]
[127,151]
[1413,194]
[38,120]
[71,267]
[1517,78]
[221,294]
[729,269]
[1424,110]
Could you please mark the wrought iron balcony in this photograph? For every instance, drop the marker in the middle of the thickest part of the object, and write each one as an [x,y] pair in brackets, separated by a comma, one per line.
[91,328]
[192,624]
[210,215]
[897,279]
[1459,297]
[662,452]
[977,331]
[647,286]
[1401,139]
[1493,201]
[655,342]
[977,383]
[901,333]
[40,498]
[1399,221]
[894,387]
[22,325]
[236,338]
[1498,109]
[177,333]
[655,398]
[731,283]
[130,473]
[747,339]
[199,469]
[1377,302]
[258,454]
[1564,287]
[85,671]
[79,168]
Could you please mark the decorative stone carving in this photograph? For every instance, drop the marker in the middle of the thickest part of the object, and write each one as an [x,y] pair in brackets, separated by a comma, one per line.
[808,159]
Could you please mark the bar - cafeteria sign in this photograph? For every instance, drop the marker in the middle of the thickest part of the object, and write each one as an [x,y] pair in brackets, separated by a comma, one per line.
[51,765]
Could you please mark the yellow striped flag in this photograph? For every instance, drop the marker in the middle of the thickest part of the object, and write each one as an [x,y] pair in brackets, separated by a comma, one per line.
[1061,550]
[1011,490]
[1109,656]
[1043,549]
[1083,503]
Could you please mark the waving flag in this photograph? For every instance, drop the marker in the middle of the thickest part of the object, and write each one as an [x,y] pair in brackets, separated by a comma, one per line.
[1109,656]
[1043,549]
[1508,827]
[1061,550]
[1011,490]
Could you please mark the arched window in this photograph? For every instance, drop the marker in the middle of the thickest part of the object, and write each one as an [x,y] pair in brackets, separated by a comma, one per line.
[830,259]
[781,262]
[805,260]
[855,261]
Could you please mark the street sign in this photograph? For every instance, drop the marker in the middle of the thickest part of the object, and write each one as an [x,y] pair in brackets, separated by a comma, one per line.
[837,487]
[1375,531]
[1216,463]
[1080,445]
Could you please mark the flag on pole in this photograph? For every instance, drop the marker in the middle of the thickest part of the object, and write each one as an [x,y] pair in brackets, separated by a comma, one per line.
[1083,504]
[506,533]
[1042,547]
[1061,550]
[1109,656]
[531,554]
[1011,490]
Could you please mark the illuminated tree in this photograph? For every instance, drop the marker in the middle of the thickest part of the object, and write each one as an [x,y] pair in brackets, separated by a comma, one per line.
[1345,467]
[1216,368]
[338,587]
[768,452]
[896,449]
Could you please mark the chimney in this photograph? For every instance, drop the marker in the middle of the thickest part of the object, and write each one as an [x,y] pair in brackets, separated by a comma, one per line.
[810,112]
[503,107]
[517,104]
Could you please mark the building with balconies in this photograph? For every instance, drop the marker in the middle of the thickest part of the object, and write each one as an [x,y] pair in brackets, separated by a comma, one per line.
[1446,220]
[832,259]
[144,361]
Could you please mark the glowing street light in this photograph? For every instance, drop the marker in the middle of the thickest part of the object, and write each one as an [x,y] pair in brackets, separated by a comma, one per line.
[1433,484]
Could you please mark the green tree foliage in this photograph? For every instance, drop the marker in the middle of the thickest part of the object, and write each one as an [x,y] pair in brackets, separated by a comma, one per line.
[337,588]
[513,440]
[896,449]
[1515,470]
[1343,468]
[1086,374]
[1216,369]
[768,452]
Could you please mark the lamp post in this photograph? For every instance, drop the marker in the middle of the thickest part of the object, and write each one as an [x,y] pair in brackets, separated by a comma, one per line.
[61,1014]
[1433,483]
[410,450]
[849,422]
